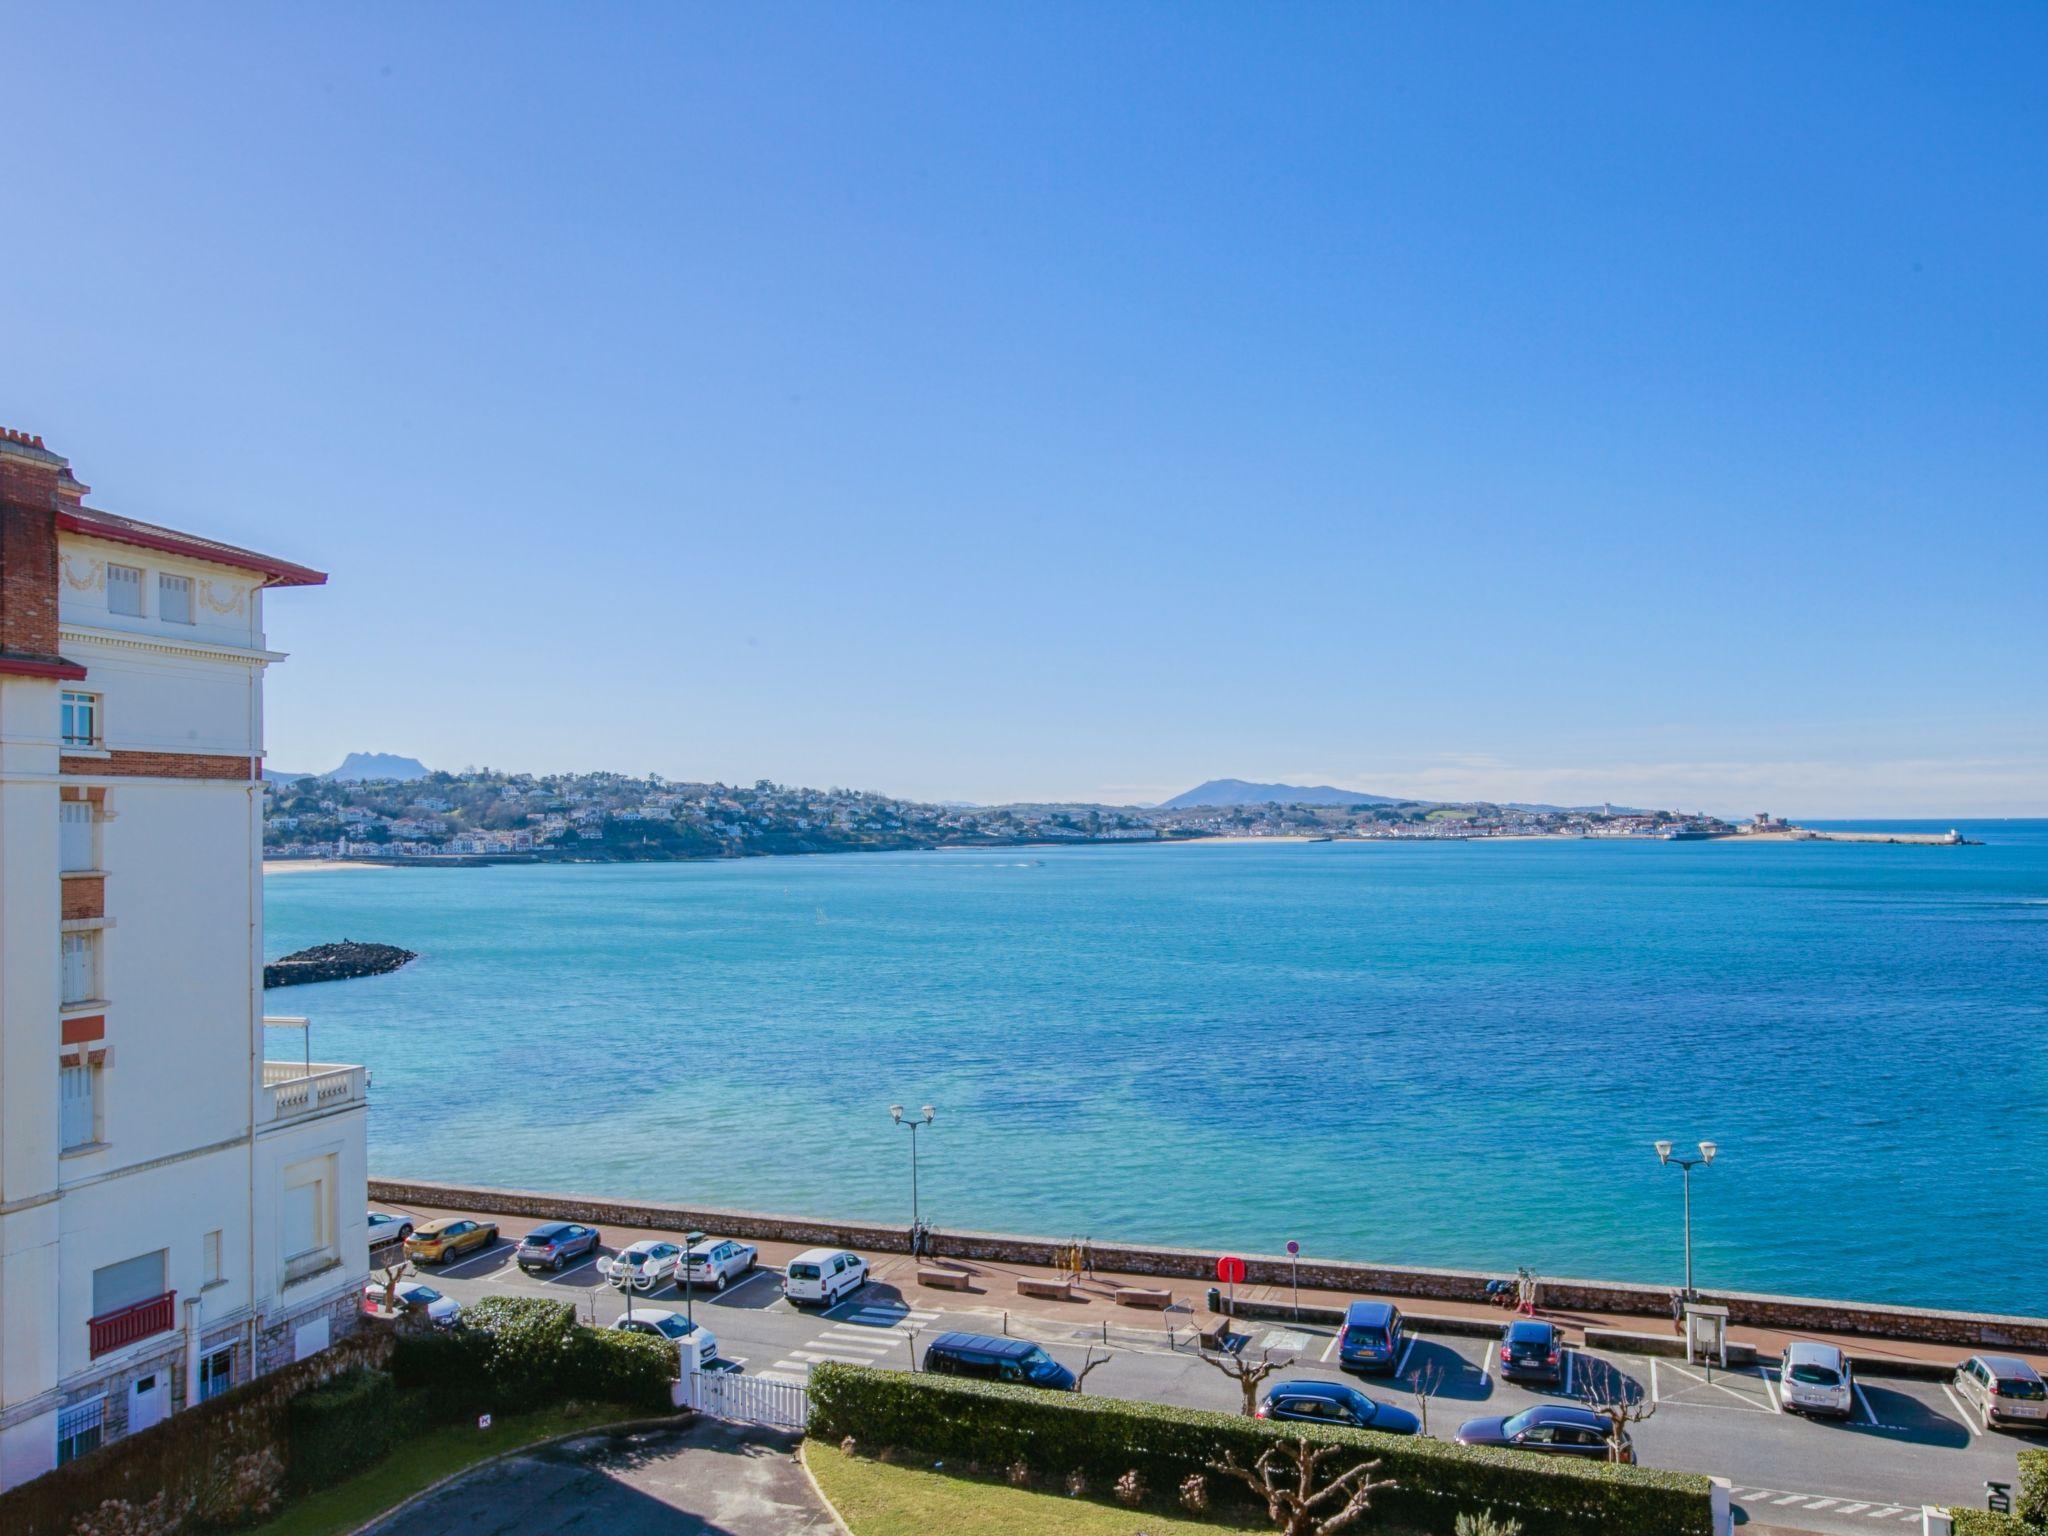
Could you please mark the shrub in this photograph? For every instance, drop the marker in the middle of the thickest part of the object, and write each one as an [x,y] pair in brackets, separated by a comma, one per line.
[1483,1524]
[1105,1437]
[2033,1500]
[1979,1522]
[1130,1488]
[1194,1493]
[339,1429]
[523,1351]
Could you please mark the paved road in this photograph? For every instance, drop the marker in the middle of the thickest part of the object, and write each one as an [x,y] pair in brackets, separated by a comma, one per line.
[713,1479]
[1909,1444]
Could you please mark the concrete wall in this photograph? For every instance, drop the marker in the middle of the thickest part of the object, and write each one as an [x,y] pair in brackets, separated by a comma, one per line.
[1791,1312]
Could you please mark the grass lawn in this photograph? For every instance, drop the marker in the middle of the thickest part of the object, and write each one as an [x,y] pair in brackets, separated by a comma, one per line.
[899,1500]
[426,1460]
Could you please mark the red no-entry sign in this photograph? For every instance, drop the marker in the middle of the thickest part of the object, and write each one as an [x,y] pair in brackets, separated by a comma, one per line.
[1230,1269]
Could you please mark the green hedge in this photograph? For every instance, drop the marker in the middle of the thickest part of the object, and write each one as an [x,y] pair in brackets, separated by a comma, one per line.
[1060,1432]
[1978,1522]
[516,1352]
[344,1426]
[2033,1500]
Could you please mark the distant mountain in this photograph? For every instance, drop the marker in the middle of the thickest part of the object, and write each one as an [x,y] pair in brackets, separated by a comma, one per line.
[1239,792]
[283,776]
[362,766]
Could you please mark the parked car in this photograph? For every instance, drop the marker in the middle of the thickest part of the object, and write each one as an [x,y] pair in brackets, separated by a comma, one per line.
[1552,1428]
[674,1327]
[718,1261]
[1373,1337]
[1532,1351]
[643,1265]
[447,1238]
[987,1358]
[414,1297]
[1333,1402]
[1816,1378]
[824,1276]
[2004,1389]
[554,1243]
[385,1227]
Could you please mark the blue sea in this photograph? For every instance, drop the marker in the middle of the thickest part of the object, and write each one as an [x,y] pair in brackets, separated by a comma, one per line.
[1452,1054]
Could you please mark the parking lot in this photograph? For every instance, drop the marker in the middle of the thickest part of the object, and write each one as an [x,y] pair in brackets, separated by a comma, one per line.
[1909,1443]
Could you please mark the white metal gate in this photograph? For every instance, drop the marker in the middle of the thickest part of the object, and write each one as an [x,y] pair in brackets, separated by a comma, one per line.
[753,1399]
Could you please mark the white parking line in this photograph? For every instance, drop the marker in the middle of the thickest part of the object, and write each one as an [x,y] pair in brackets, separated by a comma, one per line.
[1864,1403]
[1770,1391]
[1332,1348]
[1655,1395]
[1746,1402]
[1402,1364]
[740,1285]
[813,1356]
[1956,1403]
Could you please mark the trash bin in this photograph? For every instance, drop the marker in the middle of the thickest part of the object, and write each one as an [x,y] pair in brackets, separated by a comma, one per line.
[1215,1299]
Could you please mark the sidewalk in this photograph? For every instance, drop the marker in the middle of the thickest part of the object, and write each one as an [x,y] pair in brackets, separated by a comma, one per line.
[993,1287]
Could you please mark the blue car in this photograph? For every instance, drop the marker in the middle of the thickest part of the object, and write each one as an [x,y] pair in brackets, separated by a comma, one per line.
[1373,1338]
[1332,1402]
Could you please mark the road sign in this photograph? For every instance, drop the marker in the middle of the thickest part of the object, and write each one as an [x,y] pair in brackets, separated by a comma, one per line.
[1293,1248]
[1230,1269]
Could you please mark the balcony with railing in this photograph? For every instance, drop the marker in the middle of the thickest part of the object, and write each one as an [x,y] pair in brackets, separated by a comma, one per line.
[295,1088]
[125,1325]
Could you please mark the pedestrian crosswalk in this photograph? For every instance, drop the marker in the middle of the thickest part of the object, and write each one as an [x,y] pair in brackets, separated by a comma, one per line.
[871,1335]
[1759,1499]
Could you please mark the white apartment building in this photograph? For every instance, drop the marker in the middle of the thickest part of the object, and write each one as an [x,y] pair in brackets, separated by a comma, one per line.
[176,1213]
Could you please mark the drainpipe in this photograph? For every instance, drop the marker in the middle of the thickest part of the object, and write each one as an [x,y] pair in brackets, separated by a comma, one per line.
[192,1305]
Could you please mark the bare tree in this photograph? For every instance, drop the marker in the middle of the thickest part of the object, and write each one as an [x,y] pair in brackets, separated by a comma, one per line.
[1246,1372]
[1429,1380]
[1618,1399]
[393,1275]
[1285,1476]
[1088,1364]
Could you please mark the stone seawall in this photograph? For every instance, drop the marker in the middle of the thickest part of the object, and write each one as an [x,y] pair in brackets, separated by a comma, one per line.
[1795,1313]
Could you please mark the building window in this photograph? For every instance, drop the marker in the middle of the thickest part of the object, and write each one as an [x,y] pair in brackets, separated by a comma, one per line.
[124,590]
[209,1257]
[129,1283]
[78,1102]
[174,599]
[216,1373]
[81,967]
[80,719]
[80,1428]
[76,823]
[307,1231]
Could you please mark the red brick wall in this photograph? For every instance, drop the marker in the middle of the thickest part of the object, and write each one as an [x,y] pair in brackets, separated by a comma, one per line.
[85,896]
[28,563]
[164,765]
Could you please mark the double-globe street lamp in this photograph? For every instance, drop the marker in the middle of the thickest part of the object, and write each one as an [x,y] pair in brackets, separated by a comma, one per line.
[896,1114]
[1685,1165]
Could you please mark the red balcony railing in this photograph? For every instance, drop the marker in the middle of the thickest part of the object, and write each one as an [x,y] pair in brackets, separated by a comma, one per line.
[112,1330]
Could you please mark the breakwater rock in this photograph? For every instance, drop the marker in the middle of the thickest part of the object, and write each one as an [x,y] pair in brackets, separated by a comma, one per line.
[335,962]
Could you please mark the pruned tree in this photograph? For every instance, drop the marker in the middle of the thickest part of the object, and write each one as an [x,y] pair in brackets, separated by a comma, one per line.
[393,1275]
[1246,1372]
[1286,1477]
[1429,1380]
[1618,1399]
[1088,1364]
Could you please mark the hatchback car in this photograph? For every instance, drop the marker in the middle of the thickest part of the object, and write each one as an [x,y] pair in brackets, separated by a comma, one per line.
[1556,1430]
[1332,1402]
[2005,1390]
[823,1276]
[985,1357]
[718,1261]
[387,1228]
[674,1327]
[1532,1351]
[447,1238]
[1816,1378]
[441,1310]
[1373,1336]
[643,1265]
[553,1244]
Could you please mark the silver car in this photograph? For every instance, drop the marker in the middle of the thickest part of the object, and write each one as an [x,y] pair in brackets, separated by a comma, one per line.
[2005,1390]
[1817,1378]
[718,1261]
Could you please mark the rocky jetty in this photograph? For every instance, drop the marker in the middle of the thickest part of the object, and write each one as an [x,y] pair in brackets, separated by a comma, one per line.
[335,962]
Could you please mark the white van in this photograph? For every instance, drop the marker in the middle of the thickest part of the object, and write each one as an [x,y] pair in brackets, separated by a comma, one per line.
[823,1275]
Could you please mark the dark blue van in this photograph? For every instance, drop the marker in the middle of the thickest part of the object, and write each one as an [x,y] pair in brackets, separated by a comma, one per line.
[1373,1337]
[987,1358]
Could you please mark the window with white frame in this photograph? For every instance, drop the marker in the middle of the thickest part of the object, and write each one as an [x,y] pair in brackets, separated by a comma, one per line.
[81,1428]
[79,719]
[77,822]
[306,1231]
[174,598]
[124,590]
[81,953]
[209,1256]
[78,1105]
[216,1373]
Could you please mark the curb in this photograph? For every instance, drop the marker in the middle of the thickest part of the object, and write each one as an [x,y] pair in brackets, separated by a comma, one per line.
[619,1427]
[838,1522]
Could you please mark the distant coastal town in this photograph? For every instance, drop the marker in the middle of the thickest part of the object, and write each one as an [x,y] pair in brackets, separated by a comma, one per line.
[478,815]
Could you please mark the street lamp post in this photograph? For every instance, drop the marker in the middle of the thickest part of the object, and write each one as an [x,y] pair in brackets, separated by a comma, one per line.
[896,1114]
[1685,1166]
[690,1241]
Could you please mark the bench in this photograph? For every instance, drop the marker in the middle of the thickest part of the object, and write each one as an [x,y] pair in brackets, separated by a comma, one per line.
[1143,1296]
[1213,1334]
[949,1279]
[1051,1290]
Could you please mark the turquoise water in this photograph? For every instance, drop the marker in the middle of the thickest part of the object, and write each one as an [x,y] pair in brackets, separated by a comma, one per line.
[1453,1054]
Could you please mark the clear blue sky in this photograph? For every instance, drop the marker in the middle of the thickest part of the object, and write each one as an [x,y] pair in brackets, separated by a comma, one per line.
[978,401]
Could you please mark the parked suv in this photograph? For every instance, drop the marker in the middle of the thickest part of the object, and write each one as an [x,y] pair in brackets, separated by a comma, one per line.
[1373,1337]
[555,1243]
[991,1359]
[1532,1351]
[718,1261]
[1816,1378]
[2005,1389]
[824,1276]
